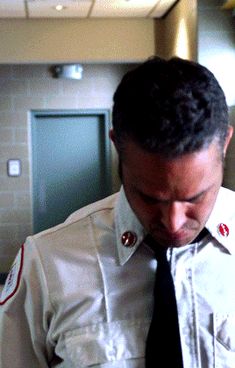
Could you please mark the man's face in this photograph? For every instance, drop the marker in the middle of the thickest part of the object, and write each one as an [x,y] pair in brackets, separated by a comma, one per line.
[172,198]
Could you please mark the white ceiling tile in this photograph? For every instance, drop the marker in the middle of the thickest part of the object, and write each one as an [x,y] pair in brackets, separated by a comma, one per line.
[162,8]
[12,9]
[46,8]
[83,8]
[122,8]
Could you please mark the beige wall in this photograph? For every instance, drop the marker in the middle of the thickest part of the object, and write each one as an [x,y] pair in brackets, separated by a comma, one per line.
[100,40]
[22,89]
[72,40]
[177,33]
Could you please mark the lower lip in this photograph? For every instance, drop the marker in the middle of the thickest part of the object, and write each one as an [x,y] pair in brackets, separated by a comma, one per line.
[174,238]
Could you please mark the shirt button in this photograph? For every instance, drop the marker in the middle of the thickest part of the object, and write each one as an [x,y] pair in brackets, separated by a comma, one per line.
[129,238]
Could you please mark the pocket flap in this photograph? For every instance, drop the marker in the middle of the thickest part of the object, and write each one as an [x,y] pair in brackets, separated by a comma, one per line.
[224,327]
[107,342]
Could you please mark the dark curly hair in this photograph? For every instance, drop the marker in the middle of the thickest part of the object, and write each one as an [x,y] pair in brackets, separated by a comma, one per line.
[170,107]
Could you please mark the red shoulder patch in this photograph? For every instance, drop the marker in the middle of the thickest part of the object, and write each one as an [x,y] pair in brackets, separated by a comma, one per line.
[13,278]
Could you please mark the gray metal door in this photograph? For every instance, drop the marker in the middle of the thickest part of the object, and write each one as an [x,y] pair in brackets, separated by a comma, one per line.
[70,163]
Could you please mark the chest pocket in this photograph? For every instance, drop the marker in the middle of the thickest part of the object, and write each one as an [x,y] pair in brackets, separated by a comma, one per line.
[224,340]
[117,344]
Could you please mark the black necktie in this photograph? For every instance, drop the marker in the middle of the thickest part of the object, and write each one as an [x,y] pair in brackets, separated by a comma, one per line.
[163,347]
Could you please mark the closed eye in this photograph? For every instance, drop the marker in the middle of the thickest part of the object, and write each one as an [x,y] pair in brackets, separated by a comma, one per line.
[153,200]
[197,198]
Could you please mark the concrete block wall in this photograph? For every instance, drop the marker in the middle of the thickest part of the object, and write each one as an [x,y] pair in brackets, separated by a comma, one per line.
[24,88]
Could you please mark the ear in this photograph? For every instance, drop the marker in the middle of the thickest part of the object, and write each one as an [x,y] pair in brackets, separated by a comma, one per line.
[112,135]
[228,139]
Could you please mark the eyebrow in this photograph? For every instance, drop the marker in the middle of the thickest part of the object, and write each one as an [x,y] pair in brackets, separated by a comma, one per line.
[191,199]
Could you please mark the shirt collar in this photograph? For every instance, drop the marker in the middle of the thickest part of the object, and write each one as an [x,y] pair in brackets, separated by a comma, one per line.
[222,214]
[126,221]
[221,221]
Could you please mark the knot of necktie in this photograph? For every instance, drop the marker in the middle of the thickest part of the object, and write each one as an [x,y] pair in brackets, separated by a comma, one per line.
[160,252]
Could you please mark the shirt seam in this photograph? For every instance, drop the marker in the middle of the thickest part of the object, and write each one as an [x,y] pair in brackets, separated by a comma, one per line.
[44,275]
[100,267]
[67,224]
[195,310]
[48,335]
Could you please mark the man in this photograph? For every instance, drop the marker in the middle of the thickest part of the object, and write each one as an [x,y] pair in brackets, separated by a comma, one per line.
[81,294]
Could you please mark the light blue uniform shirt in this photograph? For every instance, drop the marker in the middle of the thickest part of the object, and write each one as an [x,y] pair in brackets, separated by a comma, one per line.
[76,297]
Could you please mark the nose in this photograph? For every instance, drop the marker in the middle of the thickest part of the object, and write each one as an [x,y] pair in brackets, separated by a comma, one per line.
[173,216]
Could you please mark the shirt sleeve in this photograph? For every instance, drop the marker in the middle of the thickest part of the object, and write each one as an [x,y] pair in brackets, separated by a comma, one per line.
[25,313]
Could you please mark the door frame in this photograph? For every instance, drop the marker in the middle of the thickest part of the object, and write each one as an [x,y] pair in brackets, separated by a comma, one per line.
[103,113]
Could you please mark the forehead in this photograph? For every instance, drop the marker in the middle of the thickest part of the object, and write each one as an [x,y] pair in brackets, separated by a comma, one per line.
[184,176]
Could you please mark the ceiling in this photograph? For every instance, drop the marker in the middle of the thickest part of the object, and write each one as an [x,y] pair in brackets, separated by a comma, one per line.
[84,8]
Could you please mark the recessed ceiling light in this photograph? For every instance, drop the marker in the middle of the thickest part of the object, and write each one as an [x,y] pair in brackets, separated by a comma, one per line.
[59,7]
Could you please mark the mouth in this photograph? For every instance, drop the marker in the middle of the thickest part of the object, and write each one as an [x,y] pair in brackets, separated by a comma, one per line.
[175,236]
[182,237]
